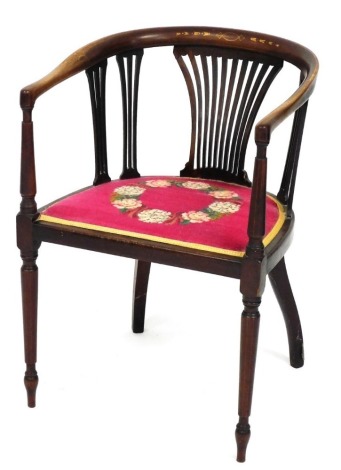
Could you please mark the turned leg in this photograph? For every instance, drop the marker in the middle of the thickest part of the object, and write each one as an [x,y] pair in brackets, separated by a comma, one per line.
[248,352]
[142,270]
[29,284]
[281,286]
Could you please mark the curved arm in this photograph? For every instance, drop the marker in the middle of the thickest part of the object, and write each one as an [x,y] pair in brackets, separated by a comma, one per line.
[269,123]
[101,49]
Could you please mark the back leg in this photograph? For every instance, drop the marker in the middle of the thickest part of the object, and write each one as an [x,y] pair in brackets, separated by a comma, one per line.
[142,270]
[281,286]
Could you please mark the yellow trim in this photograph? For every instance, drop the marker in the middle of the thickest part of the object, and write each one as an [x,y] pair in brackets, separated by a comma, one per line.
[278,225]
[268,239]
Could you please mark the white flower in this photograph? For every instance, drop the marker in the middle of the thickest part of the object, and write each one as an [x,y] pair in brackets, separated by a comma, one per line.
[154,216]
[129,190]
[224,207]
[158,183]
[128,203]
[195,185]
[195,217]
[223,194]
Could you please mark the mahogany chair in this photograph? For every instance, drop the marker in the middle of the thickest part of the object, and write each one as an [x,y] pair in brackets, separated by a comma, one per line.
[211,217]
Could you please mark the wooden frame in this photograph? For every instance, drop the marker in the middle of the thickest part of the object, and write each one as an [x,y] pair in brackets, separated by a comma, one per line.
[258,261]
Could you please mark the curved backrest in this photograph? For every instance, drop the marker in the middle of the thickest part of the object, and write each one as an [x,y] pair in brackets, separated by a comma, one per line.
[227,73]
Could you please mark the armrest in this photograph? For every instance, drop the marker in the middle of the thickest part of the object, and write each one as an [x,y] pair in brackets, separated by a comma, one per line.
[78,61]
[309,69]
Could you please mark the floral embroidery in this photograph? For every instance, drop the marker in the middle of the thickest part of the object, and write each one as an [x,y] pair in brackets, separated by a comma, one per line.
[224,207]
[194,217]
[126,200]
[130,190]
[154,216]
[223,194]
[127,204]
[195,185]
[158,183]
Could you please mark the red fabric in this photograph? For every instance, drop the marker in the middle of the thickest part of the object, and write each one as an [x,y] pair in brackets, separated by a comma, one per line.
[171,208]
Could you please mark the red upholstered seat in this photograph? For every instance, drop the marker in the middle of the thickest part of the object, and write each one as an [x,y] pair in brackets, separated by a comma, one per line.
[196,213]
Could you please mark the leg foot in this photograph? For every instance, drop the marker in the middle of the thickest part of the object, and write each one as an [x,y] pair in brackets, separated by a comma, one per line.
[282,289]
[142,270]
[242,437]
[31,384]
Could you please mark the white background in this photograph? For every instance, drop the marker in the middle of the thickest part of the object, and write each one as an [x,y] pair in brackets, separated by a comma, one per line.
[166,399]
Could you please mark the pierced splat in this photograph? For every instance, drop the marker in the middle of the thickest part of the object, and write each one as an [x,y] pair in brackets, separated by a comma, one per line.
[226,89]
[96,77]
[129,64]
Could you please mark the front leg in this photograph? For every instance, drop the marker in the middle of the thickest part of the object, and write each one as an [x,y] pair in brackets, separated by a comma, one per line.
[248,353]
[29,285]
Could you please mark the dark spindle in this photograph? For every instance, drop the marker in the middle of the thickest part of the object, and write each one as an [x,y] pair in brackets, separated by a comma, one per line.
[199,124]
[218,129]
[129,74]
[228,164]
[97,77]
[192,98]
[213,118]
[286,193]
[204,158]
[227,110]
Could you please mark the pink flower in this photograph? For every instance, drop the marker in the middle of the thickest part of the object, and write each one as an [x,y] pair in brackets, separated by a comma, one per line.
[154,216]
[127,203]
[224,207]
[195,217]
[195,185]
[129,190]
[158,183]
[223,194]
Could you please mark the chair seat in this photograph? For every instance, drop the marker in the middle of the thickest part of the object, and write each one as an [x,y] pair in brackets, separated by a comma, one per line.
[196,213]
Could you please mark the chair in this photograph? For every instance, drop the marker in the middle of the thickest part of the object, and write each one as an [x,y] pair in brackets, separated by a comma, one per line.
[210,217]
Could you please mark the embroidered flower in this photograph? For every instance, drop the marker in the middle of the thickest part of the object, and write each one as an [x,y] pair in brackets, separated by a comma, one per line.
[154,216]
[195,217]
[127,199]
[223,194]
[224,207]
[129,190]
[127,204]
[158,183]
[195,185]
